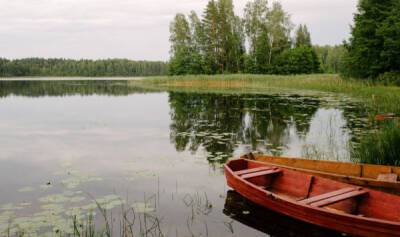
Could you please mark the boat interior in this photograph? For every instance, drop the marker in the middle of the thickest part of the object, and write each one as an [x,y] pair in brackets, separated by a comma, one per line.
[305,189]
[378,172]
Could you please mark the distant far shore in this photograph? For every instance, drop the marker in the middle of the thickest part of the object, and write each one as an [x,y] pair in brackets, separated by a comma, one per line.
[70,78]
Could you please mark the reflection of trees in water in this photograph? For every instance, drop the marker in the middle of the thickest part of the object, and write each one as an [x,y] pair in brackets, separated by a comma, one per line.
[220,123]
[65,88]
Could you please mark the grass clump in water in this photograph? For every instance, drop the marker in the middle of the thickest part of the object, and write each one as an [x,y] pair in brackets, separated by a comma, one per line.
[381,146]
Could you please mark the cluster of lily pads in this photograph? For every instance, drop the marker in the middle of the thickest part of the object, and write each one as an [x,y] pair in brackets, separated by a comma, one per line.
[57,214]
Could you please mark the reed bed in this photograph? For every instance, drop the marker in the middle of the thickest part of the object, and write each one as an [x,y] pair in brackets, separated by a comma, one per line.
[380,98]
[381,146]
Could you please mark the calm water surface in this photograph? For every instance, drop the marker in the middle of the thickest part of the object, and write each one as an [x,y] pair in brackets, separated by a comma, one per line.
[65,144]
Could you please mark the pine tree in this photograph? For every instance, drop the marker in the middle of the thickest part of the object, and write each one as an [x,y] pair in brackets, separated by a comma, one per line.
[390,32]
[211,36]
[303,37]
[365,58]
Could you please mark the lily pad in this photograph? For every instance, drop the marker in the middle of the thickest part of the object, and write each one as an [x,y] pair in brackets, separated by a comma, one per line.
[142,207]
[26,189]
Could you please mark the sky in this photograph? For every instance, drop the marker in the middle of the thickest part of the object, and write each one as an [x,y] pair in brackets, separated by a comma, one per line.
[134,29]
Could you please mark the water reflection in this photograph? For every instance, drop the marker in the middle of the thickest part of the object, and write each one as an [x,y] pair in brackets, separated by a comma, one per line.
[290,125]
[108,137]
[68,88]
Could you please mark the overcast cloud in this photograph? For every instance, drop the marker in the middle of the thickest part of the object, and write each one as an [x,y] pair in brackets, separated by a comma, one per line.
[134,29]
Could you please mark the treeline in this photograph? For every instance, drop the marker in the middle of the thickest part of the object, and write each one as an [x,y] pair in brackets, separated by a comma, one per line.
[83,68]
[222,42]
[373,51]
[331,57]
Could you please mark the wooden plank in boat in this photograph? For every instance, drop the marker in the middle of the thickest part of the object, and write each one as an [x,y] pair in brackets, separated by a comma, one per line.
[261,173]
[328,195]
[338,198]
[248,171]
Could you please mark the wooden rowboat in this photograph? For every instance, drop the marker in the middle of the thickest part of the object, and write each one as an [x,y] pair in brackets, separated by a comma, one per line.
[338,206]
[381,177]
[248,213]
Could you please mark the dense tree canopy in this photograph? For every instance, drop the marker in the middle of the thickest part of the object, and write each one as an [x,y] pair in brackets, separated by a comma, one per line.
[374,48]
[216,43]
[86,68]
[299,60]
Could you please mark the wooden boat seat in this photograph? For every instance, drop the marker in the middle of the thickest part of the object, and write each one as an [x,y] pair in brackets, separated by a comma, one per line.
[339,198]
[248,171]
[333,197]
[262,173]
[327,195]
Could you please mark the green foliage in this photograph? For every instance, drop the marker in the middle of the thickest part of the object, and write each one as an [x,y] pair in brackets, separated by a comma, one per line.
[381,147]
[216,43]
[180,48]
[374,46]
[279,28]
[300,60]
[390,78]
[331,57]
[255,21]
[303,37]
[85,68]
[390,31]
[211,36]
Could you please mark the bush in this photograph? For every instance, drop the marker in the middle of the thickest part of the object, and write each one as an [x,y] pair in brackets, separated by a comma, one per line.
[300,60]
[390,78]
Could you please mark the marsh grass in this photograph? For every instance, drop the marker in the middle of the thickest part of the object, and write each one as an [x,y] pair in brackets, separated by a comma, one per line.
[380,98]
[381,146]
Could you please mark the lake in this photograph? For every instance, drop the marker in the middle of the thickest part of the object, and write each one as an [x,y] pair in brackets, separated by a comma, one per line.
[67,147]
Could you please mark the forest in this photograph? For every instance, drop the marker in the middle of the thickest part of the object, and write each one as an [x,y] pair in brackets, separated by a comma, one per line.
[85,68]
[266,41]
[261,42]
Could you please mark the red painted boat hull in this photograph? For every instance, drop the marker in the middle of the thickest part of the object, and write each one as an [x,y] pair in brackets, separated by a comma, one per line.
[342,222]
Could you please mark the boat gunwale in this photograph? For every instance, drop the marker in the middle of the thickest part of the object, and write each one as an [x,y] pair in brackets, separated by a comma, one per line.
[318,209]
[310,171]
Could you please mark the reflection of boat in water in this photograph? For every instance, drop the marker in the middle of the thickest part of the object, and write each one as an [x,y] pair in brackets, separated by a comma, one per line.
[269,222]
[374,176]
[316,200]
